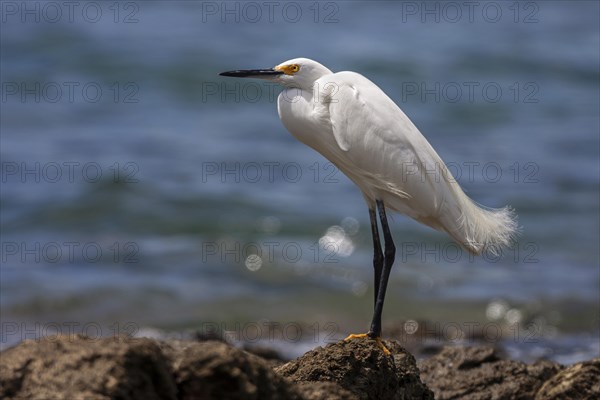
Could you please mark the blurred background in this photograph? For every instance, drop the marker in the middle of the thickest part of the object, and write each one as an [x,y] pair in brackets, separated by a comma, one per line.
[144,194]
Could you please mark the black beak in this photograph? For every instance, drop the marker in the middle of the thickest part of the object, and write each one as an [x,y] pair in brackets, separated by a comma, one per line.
[248,73]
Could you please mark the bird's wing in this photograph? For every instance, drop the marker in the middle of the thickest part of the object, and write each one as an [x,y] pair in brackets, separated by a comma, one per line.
[363,117]
[384,153]
[381,146]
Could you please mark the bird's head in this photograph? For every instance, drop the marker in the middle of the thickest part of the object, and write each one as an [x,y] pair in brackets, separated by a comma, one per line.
[299,73]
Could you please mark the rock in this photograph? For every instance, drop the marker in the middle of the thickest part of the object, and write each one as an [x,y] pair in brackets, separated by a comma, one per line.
[579,381]
[215,370]
[271,356]
[361,368]
[77,367]
[324,391]
[480,373]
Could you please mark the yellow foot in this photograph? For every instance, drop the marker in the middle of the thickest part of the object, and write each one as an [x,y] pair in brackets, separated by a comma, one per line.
[377,339]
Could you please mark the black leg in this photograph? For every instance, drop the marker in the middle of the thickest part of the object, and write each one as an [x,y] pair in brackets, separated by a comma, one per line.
[388,261]
[377,253]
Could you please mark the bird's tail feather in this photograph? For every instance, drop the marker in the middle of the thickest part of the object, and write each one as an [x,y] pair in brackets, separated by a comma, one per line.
[483,230]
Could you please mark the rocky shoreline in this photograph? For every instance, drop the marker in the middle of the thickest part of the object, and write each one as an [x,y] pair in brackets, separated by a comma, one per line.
[77,367]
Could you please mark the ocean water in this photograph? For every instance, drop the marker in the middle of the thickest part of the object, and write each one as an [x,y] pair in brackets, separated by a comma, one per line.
[141,192]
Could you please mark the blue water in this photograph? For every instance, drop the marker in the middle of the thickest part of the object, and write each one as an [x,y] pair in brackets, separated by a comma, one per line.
[139,186]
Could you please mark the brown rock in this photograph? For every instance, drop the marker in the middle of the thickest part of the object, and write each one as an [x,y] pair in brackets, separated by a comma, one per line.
[215,370]
[324,391]
[77,367]
[361,368]
[479,373]
[580,381]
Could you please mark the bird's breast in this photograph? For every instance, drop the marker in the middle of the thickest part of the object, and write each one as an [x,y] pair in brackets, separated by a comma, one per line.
[300,116]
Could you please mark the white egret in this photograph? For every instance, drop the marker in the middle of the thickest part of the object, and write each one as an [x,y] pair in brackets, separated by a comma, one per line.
[353,123]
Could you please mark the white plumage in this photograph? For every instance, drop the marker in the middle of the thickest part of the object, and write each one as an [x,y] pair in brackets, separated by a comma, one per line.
[353,123]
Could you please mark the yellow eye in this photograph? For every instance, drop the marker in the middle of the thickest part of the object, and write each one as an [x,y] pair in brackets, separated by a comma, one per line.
[288,69]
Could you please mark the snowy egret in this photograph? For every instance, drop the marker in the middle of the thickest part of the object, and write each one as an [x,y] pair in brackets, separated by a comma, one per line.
[353,123]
